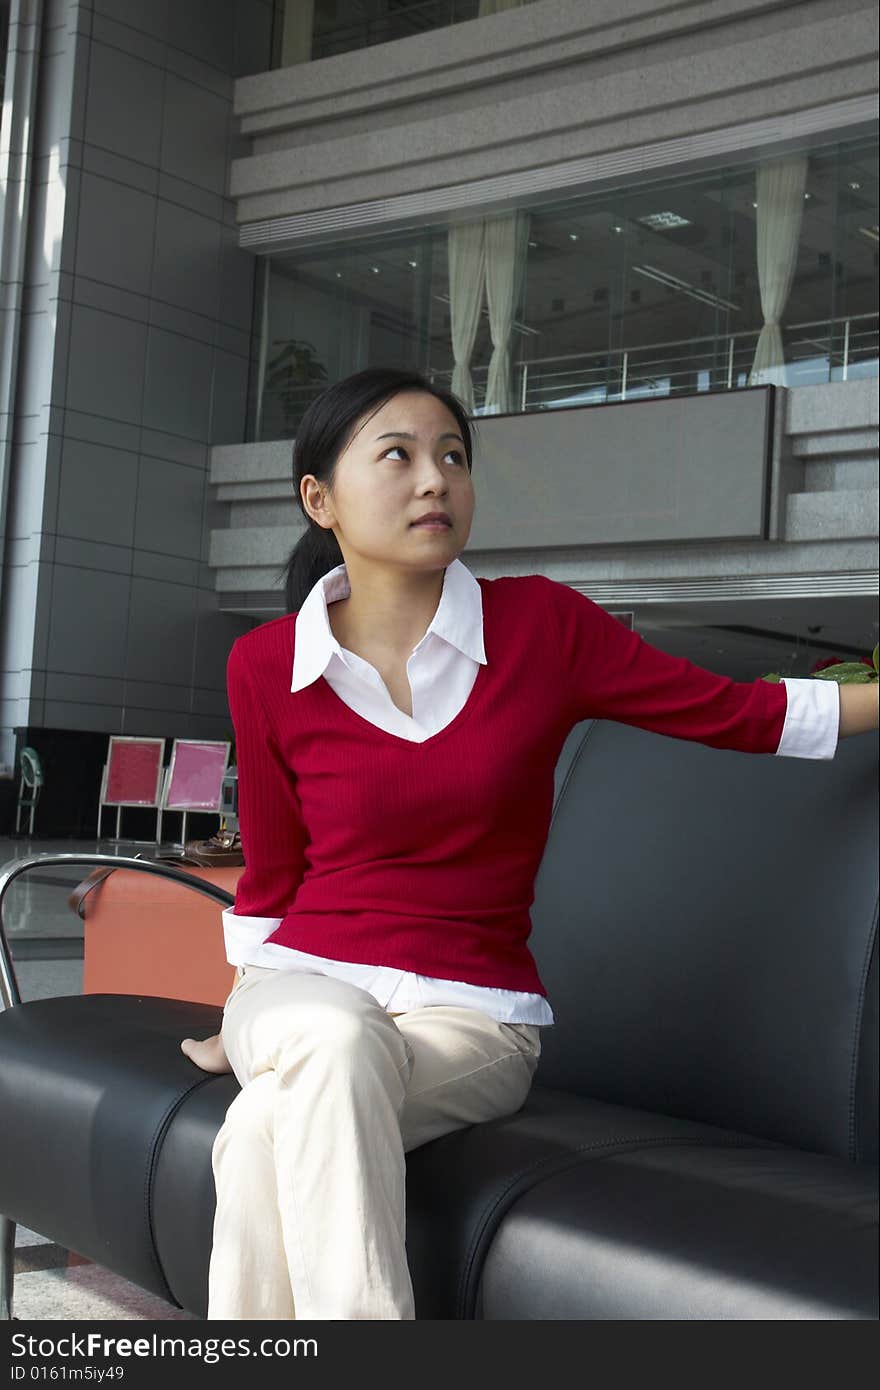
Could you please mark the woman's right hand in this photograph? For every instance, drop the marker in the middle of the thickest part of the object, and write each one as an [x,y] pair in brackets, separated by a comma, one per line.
[209,1055]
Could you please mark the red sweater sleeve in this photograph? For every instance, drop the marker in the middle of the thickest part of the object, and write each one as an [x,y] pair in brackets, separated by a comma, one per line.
[273,837]
[613,673]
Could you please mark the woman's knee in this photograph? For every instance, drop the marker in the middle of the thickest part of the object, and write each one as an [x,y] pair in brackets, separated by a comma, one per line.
[343,1038]
[346,1028]
[282,1026]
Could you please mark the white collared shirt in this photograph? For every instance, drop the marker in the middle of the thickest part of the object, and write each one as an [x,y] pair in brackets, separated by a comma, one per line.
[441,670]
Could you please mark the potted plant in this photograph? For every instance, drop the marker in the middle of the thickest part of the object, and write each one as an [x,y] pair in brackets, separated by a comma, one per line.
[291,377]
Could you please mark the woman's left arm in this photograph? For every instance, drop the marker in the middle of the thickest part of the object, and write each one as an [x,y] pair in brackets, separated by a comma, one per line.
[609,672]
[859,706]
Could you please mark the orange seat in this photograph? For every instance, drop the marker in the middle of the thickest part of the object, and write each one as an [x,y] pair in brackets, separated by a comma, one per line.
[149,935]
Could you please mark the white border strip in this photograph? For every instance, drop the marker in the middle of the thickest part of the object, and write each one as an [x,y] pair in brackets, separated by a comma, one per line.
[738,588]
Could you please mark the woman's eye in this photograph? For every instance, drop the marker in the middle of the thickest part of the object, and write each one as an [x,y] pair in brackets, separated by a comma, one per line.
[399,449]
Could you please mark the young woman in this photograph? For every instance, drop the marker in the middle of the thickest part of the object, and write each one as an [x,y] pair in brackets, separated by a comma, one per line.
[396,738]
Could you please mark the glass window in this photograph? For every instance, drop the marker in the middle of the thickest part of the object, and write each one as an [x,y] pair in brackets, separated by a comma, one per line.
[855,265]
[310,29]
[332,311]
[678,285]
[637,287]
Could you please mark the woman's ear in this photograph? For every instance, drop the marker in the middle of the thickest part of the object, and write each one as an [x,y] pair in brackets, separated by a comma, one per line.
[316,501]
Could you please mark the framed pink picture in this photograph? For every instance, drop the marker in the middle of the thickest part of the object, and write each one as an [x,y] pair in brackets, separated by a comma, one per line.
[134,771]
[195,775]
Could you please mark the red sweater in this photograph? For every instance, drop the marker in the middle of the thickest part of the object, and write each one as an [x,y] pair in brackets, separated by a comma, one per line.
[423,856]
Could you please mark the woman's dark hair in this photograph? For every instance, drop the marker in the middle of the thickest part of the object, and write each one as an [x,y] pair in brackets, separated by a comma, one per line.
[322,436]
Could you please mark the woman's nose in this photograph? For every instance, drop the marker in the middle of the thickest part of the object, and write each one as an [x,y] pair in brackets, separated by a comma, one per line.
[434,476]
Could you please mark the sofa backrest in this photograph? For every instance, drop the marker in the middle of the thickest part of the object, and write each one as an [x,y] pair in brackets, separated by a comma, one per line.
[705,925]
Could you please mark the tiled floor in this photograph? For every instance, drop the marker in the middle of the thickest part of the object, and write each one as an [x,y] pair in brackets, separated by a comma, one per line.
[54,1285]
[46,940]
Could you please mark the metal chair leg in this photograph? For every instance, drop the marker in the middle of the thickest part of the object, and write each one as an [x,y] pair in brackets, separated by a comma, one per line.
[7,1267]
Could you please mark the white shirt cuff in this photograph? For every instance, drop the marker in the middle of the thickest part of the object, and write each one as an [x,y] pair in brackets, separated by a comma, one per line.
[244,936]
[812,719]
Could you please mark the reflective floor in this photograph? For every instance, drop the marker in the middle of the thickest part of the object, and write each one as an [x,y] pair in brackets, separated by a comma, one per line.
[46,940]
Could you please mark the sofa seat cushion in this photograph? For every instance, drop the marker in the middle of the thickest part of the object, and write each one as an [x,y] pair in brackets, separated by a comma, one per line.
[689,1231]
[458,1187]
[114,1129]
[112,1159]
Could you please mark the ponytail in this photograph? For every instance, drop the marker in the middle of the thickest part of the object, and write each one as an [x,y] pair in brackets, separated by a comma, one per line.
[315,554]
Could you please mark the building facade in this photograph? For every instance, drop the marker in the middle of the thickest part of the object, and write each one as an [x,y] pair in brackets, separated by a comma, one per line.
[638,239]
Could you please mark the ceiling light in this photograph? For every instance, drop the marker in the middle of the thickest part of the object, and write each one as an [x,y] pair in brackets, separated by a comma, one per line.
[662,220]
[855,185]
[414,264]
[870,232]
[673,282]
[573,236]
[533,243]
[616,227]
[375,269]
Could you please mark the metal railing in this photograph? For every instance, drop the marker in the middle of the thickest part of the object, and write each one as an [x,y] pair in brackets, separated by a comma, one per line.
[815,352]
[818,351]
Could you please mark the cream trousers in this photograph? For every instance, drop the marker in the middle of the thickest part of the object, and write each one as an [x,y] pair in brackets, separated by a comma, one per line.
[309,1164]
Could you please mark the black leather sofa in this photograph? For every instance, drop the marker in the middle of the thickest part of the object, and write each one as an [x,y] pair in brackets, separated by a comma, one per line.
[700,1141]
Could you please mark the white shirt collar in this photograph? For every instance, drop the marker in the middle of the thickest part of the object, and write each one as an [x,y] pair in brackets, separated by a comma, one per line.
[458,620]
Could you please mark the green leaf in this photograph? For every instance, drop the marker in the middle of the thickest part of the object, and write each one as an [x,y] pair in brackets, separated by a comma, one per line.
[774,678]
[846,673]
[874,657]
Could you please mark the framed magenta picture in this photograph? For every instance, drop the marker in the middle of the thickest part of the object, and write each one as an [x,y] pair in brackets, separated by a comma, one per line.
[133,775]
[195,775]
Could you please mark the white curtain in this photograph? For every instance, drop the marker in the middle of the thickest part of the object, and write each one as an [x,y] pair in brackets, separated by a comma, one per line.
[296,38]
[507,240]
[780,197]
[467,272]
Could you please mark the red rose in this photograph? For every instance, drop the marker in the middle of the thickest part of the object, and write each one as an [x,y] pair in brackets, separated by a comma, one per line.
[828,661]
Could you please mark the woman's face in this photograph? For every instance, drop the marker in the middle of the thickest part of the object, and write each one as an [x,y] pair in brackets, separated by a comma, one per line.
[404,460]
